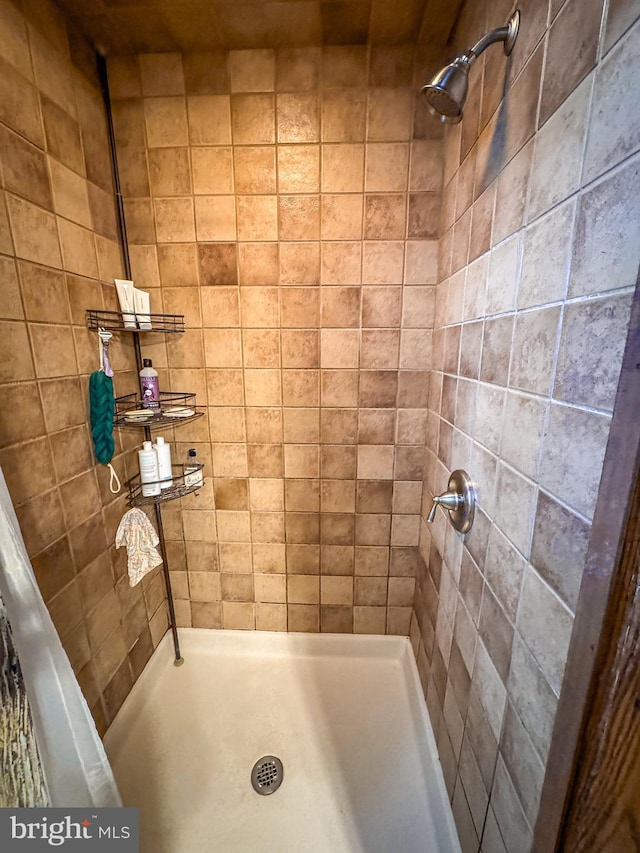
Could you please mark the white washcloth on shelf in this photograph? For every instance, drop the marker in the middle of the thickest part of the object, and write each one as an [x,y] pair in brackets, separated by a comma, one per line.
[138,534]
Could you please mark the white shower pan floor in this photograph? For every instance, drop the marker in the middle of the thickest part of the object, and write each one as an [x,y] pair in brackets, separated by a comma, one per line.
[344,714]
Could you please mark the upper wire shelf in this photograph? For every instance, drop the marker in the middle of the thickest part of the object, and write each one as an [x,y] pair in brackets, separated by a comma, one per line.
[116,321]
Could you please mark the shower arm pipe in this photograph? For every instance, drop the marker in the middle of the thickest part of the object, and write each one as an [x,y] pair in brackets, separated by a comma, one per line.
[122,227]
[496,35]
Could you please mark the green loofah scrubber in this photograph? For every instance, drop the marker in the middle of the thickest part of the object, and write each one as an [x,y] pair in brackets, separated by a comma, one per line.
[102,402]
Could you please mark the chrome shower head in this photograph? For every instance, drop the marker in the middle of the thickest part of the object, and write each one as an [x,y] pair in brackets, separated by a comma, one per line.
[447,91]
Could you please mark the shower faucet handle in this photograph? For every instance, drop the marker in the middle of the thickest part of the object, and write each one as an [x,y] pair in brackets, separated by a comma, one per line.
[448,500]
[459,500]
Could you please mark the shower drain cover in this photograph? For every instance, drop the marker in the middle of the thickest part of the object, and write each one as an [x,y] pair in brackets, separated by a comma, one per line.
[267,775]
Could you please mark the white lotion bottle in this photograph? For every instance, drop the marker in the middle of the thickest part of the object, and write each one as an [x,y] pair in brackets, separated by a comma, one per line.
[163,452]
[126,298]
[143,306]
[149,475]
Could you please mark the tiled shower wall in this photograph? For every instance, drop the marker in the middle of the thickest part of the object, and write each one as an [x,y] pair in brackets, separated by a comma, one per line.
[58,250]
[288,204]
[538,259]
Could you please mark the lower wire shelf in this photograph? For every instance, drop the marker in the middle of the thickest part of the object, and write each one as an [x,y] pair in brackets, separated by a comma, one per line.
[183,483]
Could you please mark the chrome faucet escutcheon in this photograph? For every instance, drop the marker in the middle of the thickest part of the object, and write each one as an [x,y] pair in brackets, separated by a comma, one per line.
[459,500]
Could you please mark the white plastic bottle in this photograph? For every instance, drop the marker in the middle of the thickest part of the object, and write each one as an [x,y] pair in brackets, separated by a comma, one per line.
[149,475]
[192,471]
[163,451]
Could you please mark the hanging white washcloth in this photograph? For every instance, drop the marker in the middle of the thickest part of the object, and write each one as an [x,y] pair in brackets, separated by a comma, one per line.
[137,533]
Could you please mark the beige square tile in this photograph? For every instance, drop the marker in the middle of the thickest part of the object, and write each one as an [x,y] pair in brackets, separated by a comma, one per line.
[369,620]
[336,590]
[53,350]
[338,462]
[302,495]
[375,462]
[25,169]
[271,617]
[339,387]
[303,589]
[204,586]
[371,561]
[385,217]
[260,307]
[205,71]
[19,105]
[300,387]
[255,169]
[16,362]
[34,232]
[299,217]
[383,263]
[389,115]
[237,587]
[233,526]
[212,171]
[215,217]
[43,292]
[222,348]
[339,348]
[220,306]
[253,119]
[178,264]
[257,217]
[235,558]
[266,495]
[297,69]
[262,387]
[270,588]
[166,122]
[261,348]
[225,388]
[405,530]
[381,306]
[238,615]
[387,167]
[421,262]
[12,308]
[299,263]
[342,168]
[338,496]
[343,115]
[371,591]
[342,217]
[264,425]
[269,557]
[302,425]
[380,349]
[344,65]
[209,119]
[298,118]
[341,263]
[78,249]
[300,348]
[174,220]
[298,168]
[300,307]
[301,461]
[303,617]
[258,263]
[252,70]
[268,527]
[161,74]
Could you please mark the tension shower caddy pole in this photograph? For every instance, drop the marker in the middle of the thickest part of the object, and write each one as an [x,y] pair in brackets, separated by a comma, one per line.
[104,82]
